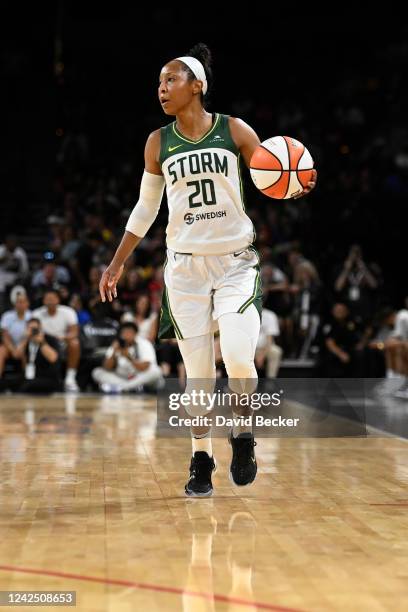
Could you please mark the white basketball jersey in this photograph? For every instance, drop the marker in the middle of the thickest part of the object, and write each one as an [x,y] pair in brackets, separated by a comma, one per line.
[204,192]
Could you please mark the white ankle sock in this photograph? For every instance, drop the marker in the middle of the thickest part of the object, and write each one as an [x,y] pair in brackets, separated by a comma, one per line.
[202,443]
[244,427]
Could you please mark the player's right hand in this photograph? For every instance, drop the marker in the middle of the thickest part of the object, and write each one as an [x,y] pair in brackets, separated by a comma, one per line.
[108,282]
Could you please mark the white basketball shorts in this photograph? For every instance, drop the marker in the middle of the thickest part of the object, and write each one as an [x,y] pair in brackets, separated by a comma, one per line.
[200,288]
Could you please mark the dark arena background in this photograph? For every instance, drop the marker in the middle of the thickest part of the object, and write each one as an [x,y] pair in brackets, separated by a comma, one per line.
[92,506]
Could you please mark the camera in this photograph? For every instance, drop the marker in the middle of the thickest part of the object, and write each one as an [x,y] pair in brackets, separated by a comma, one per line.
[35,331]
[122,342]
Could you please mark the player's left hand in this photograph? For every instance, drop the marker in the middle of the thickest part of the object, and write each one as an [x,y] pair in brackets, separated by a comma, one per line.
[108,282]
[311,185]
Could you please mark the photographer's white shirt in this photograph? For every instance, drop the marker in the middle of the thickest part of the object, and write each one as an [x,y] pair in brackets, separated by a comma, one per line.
[142,350]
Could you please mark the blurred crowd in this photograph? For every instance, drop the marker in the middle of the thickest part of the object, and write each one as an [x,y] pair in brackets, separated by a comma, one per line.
[333,290]
[56,332]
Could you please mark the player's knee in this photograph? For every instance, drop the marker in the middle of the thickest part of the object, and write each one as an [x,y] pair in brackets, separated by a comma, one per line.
[238,353]
[198,356]
[200,393]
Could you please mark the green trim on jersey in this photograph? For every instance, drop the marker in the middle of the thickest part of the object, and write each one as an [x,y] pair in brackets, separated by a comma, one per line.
[241,187]
[206,135]
[172,142]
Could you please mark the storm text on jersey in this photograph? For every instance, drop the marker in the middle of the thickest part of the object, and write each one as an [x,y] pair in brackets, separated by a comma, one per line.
[198,163]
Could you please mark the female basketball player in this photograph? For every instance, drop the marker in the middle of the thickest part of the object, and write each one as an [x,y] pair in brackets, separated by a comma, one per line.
[212,270]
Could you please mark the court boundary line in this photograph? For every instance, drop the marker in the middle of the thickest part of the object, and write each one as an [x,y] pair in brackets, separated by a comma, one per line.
[149,587]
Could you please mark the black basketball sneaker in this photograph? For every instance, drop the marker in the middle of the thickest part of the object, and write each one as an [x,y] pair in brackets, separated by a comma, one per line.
[243,464]
[201,468]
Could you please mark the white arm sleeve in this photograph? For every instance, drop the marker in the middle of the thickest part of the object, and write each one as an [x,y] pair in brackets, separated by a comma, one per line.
[147,207]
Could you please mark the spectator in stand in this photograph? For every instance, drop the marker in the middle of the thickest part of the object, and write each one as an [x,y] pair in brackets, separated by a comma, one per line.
[50,277]
[145,318]
[306,311]
[13,265]
[61,322]
[130,363]
[90,253]
[294,259]
[40,358]
[356,284]
[268,354]
[297,263]
[131,286]
[82,313]
[13,327]
[340,343]
[277,299]
[69,245]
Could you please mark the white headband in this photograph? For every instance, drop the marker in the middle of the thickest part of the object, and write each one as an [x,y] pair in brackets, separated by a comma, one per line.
[197,69]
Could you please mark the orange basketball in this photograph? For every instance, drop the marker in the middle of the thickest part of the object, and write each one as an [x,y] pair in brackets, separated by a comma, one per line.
[281,167]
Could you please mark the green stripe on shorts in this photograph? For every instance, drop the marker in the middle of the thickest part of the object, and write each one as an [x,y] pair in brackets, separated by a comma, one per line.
[168,327]
[173,320]
[245,305]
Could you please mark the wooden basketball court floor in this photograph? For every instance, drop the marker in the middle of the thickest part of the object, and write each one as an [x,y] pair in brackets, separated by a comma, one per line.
[92,501]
